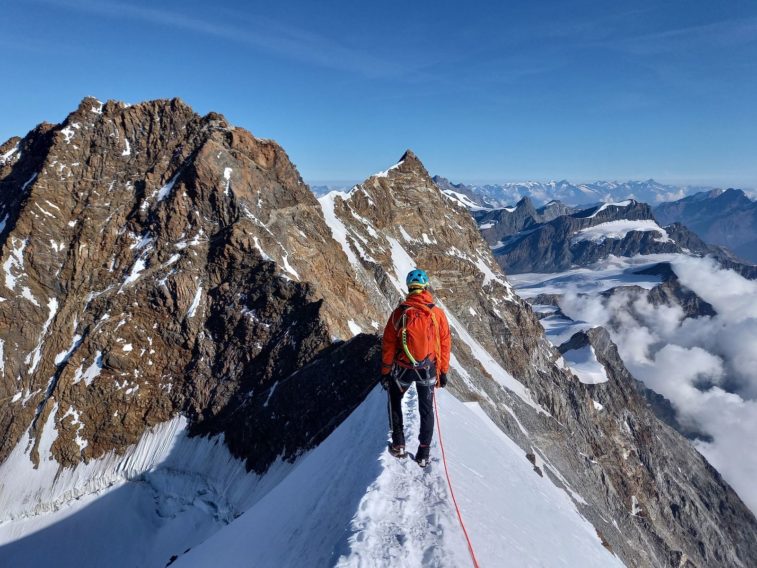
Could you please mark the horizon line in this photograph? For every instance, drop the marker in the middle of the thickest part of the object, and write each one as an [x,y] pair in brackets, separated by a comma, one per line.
[349,182]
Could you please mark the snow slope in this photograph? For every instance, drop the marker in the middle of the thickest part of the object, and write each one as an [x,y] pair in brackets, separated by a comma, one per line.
[602,275]
[165,493]
[583,362]
[348,503]
[618,230]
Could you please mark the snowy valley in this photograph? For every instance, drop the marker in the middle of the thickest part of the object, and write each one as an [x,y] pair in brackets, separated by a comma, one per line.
[680,311]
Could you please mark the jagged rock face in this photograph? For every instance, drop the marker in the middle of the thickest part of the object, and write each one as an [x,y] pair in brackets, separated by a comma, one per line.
[401,213]
[459,188]
[671,292]
[497,224]
[553,210]
[682,506]
[690,241]
[660,406]
[155,261]
[622,460]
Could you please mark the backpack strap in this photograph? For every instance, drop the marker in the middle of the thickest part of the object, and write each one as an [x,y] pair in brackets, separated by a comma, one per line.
[398,321]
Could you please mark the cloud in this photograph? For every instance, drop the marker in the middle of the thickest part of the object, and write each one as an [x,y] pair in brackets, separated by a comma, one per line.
[706,367]
[662,197]
[725,33]
[732,295]
[258,32]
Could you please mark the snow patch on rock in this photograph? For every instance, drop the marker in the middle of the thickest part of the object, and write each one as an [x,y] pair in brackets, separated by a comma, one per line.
[355,329]
[338,229]
[584,363]
[618,230]
[195,303]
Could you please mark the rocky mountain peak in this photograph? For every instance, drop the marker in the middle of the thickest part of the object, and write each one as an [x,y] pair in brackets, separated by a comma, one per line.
[411,159]
[734,196]
[526,206]
[409,163]
[148,251]
[8,149]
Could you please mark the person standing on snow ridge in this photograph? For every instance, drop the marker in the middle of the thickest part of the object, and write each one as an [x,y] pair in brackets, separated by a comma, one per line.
[415,349]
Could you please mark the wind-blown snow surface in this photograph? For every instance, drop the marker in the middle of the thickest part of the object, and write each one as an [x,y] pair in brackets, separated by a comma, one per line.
[462,199]
[162,496]
[706,366]
[618,230]
[583,362]
[348,503]
[601,276]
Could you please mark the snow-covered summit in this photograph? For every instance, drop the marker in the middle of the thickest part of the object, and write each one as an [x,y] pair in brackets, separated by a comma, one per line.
[574,194]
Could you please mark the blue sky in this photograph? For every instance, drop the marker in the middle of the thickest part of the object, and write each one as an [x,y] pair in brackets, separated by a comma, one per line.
[488,91]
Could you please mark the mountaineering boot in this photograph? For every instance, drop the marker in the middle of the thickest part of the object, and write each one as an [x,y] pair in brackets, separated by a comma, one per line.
[421,456]
[397,450]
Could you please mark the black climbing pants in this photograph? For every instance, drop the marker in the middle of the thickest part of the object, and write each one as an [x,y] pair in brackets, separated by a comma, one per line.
[425,408]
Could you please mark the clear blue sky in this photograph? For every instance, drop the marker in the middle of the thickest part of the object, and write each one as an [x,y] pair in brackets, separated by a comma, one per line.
[488,91]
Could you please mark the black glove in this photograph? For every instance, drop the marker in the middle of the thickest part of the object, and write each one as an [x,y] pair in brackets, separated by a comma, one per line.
[385,382]
[443,380]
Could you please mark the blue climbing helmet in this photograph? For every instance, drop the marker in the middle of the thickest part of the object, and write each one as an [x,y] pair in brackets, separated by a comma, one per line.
[416,279]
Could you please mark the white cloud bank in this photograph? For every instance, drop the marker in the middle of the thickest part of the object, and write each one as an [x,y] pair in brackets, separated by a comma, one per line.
[707,366]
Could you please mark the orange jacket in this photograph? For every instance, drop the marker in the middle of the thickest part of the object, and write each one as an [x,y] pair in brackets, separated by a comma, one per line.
[391,347]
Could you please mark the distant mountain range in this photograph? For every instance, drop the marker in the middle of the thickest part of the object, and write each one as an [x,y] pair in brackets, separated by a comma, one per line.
[540,193]
[556,237]
[320,189]
[727,218]
[509,193]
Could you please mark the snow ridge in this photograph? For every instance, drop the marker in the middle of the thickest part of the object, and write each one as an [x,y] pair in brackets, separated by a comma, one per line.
[352,505]
[416,524]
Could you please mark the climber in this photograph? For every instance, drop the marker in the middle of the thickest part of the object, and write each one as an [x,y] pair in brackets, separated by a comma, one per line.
[415,349]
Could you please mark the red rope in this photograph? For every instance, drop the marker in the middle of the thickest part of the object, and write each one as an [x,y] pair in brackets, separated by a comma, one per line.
[449,482]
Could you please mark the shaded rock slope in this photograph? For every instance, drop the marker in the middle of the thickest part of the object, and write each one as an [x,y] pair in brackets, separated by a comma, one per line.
[158,263]
[727,218]
[498,224]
